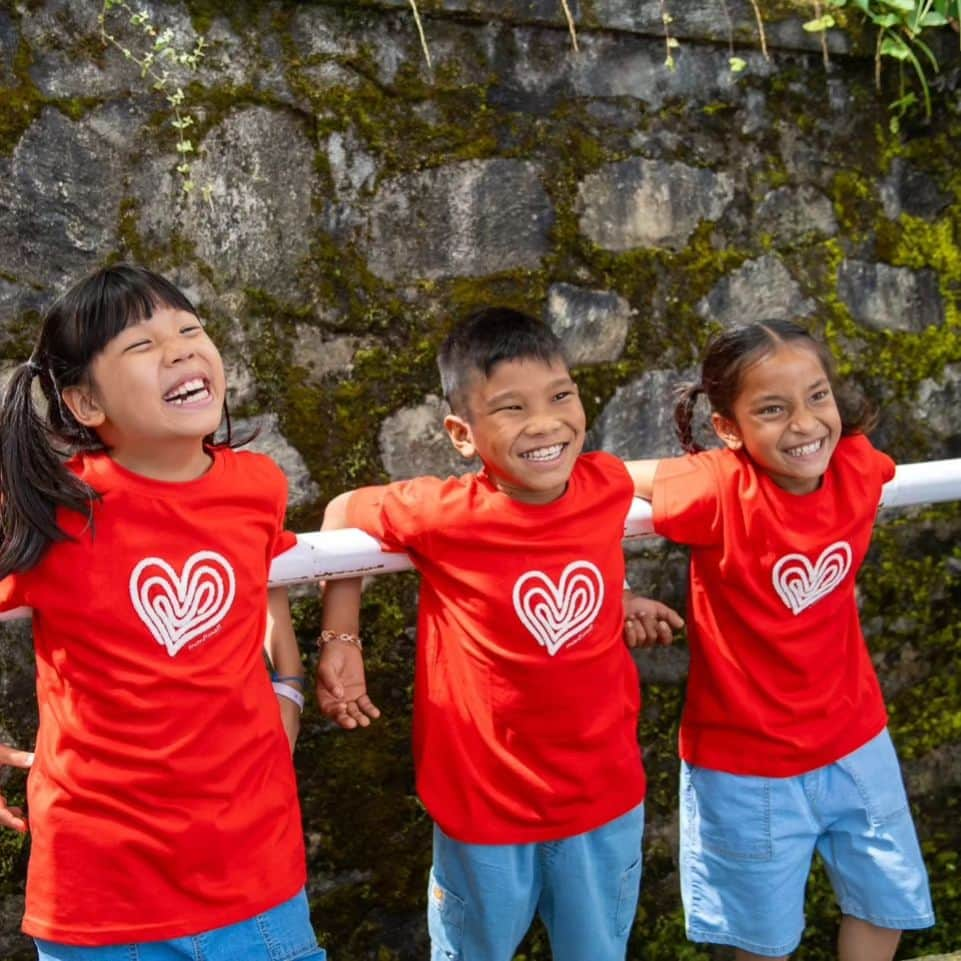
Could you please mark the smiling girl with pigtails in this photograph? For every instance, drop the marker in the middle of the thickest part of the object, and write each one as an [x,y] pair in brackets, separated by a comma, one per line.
[784,741]
[161,795]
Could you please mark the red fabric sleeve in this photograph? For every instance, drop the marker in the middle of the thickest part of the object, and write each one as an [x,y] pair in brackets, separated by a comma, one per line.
[686,500]
[396,514]
[877,461]
[11,593]
[284,541]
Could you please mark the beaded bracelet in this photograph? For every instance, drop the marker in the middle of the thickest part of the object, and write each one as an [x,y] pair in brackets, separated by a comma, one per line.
[327,636]
[291,693]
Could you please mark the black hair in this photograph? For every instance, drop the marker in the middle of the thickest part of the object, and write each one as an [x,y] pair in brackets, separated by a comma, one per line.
[485,338]
[34,481]
[731,353]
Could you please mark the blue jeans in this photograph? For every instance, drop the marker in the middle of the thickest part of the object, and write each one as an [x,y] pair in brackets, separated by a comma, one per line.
[280,934]
[482,897]
[747,844]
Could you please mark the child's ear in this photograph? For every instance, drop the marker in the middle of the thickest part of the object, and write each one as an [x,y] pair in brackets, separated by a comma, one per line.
[461,436]
[83,405]
[727,431]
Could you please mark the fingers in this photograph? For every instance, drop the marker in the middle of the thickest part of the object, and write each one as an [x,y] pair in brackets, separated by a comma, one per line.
[653,624]
[669,615]
[12,817]
[13,757]
[633,633]
[351,714]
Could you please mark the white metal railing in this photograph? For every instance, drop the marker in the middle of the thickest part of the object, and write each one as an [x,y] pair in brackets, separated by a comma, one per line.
[328,555]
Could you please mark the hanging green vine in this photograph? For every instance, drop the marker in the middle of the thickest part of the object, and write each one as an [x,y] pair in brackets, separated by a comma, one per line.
[904,32]
[155,60]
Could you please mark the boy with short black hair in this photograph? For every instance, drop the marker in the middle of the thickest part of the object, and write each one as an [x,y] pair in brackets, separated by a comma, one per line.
[526,697]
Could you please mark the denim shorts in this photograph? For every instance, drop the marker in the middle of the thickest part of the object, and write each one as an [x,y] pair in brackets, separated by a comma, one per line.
[747,845]
[482,898]
[280,934]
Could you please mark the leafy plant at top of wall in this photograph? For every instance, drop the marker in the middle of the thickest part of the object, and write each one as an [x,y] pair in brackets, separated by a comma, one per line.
[904,31]
[156,61]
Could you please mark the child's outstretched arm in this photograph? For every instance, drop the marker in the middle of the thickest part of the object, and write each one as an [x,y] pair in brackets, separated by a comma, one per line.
[341,683]
[649,623]
[280,644]
[642,473]
[12,817]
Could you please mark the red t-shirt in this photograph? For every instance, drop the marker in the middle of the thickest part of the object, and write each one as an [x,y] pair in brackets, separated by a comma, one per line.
[162,799]
[526,697]
[780,680]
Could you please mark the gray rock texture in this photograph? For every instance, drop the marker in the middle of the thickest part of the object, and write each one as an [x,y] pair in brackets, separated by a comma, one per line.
[939,410]
[413,442]
[469,219]
[638,422]
[761,289]
[60,195]
[254,179]
[792,215]
[890,298]
[592,324]
[642,203]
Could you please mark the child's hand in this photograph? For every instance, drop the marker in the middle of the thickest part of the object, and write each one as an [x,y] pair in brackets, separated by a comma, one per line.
[290,718]
[648,622]
[13,817]
[342,686]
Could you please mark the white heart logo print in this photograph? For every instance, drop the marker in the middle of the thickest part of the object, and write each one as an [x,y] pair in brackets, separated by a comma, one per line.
[799,583]
[178,608]
[559,613]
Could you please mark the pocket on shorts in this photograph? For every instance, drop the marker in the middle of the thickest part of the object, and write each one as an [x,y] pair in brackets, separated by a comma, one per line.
[445,920]
[729,814]
[287,932]
[875,771]
[627,895]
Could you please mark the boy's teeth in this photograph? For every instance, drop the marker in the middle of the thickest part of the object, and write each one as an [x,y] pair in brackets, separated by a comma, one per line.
[544,453]
[805,449]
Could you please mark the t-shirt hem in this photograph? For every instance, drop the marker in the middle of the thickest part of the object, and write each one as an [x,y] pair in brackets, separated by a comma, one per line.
[759,754]
[468,834]
[104,936]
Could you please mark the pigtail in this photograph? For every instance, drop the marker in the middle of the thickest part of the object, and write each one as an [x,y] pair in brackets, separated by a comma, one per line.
[34,482]
[687,395]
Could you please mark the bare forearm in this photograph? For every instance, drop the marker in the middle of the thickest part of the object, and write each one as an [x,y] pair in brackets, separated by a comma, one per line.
[280,642]
[642,474]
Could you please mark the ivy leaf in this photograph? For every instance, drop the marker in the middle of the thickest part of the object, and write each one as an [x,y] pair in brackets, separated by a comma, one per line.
[895,47]
[907,6]
[933,19]
[820,24]
[737,64]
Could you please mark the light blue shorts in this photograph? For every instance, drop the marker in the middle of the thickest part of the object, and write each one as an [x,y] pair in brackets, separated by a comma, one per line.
[747,844]
[280,934]
[482,898]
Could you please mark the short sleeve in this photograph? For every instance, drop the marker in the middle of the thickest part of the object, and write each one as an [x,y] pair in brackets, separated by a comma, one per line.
[396,514]
[686,500]
[882,464]
[284,541]
[11,593]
